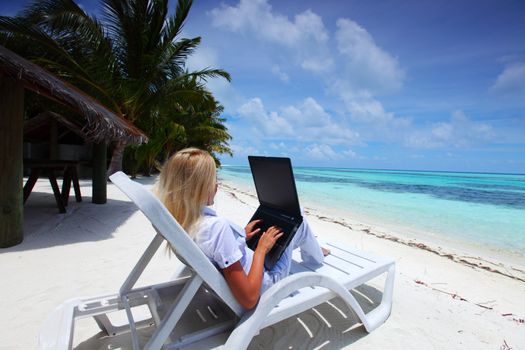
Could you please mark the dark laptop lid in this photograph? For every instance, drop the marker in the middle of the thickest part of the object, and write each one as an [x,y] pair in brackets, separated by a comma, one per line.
[275,183]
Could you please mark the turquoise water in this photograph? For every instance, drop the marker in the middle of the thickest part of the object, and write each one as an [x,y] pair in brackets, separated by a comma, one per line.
[483,209]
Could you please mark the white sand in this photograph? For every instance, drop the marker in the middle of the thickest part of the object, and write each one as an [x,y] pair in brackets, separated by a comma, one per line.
[91,249]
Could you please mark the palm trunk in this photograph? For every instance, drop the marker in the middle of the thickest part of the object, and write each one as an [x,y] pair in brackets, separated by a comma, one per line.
[116,158]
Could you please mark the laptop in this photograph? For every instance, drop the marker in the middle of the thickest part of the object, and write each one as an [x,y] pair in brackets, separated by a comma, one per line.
[278,202]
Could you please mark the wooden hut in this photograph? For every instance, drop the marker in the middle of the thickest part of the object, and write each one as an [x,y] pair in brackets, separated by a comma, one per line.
[102,125]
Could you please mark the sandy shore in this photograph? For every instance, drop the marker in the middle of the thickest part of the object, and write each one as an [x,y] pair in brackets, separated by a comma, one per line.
[440,301]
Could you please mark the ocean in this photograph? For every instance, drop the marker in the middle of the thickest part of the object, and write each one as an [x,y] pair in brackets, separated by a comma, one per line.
[475,209]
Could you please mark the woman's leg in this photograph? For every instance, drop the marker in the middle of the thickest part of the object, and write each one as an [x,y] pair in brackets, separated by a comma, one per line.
[280,270]
[311,254]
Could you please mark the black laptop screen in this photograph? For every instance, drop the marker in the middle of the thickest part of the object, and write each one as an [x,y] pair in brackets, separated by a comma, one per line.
[275,184]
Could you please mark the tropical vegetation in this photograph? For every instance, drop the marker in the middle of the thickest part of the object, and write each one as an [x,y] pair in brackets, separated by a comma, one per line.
[131,58]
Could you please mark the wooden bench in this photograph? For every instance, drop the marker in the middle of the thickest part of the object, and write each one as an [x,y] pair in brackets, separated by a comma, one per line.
[48,167]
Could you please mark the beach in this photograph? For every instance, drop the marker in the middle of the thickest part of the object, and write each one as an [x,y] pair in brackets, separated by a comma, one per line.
[442,299]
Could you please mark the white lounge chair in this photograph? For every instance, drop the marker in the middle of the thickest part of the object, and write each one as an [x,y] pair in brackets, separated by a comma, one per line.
[198,304]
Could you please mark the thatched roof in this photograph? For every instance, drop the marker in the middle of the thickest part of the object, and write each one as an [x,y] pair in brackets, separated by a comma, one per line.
[102,124]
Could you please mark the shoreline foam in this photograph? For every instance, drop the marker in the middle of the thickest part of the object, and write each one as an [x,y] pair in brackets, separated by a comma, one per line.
[474,258]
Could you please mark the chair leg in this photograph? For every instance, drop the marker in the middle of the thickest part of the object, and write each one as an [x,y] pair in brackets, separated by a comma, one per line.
[173,315]
[133,328]
[141,264]
[76,185]
[66,185]
[56,191]
[28,187]
[378,316]
[105,325]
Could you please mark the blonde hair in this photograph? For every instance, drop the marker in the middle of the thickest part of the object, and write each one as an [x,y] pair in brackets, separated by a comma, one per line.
[186,184]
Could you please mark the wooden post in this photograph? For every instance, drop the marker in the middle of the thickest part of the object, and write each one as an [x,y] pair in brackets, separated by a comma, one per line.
[11,150]
[53,139]
[99,173]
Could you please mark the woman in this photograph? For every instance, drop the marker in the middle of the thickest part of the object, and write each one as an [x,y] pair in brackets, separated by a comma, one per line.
[187,186]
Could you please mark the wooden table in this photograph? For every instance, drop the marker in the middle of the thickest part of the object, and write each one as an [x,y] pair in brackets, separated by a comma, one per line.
[48,167]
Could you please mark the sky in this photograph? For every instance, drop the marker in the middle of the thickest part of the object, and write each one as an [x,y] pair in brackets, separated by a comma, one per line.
[420,85]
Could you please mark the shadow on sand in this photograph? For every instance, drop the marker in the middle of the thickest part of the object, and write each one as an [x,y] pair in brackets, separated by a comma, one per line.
[45,227]
[331,325]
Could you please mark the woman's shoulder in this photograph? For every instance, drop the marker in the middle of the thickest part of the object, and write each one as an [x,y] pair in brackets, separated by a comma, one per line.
[215,223]
[212,231]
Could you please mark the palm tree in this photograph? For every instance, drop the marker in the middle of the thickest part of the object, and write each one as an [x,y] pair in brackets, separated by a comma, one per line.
[131,59]
[182,122]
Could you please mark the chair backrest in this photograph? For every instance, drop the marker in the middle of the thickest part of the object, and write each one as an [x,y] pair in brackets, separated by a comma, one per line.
[166,225]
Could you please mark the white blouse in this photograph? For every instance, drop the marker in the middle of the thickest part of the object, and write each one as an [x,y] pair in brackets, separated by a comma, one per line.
[222,241]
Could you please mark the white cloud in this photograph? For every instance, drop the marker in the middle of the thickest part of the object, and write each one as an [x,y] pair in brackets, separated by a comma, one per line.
[271,123]
[355,70]
[308,113]
[243,151]
[350,154]
[327,153]
[459,131]
[305,35]
[367,65]
[304,122]
[311,25]
[365,108]
[511,80]
[276,70]
[364,63]
[421,139]
[321,152]
[442,131]
[317,64]
[365,70]
[203,57]
[256,16]
[278,146]
[350,64]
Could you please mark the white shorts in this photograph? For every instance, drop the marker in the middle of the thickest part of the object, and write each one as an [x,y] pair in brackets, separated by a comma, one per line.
[311,254]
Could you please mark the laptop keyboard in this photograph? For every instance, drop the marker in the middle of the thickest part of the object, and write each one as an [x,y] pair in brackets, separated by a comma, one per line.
[270,220]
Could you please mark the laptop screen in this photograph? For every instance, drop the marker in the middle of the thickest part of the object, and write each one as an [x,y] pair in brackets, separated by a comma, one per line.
[275,183]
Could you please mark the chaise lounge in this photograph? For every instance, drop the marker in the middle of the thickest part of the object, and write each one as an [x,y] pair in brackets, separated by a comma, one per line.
[198,303]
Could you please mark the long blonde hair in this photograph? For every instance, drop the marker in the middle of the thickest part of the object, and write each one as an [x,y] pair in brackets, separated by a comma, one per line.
[186,183]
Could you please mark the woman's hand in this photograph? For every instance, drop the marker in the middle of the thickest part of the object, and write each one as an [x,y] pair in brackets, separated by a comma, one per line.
[247,287]
[250,231]
[268,239]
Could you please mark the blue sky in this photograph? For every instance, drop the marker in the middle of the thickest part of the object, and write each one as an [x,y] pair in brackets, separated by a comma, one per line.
[426,85]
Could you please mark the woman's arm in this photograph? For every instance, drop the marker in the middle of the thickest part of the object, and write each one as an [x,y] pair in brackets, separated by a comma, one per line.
[247,288]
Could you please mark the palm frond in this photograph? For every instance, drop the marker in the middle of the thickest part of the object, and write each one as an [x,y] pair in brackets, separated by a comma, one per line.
[208,73]
[38,36]
[175,23]
[174,56]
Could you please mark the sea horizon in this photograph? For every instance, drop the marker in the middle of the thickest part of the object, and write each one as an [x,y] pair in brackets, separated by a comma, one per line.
[391,169]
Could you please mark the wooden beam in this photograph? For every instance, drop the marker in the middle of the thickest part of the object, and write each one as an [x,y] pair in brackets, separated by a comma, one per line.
[11,150]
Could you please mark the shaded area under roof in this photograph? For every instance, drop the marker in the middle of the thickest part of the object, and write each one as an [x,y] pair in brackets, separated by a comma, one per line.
[38,128]
[102,124]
